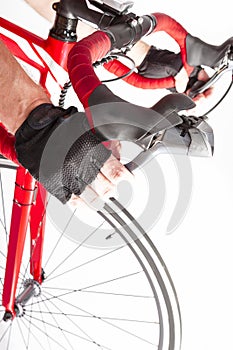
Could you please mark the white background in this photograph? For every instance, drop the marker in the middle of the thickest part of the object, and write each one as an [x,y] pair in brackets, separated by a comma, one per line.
[199,252]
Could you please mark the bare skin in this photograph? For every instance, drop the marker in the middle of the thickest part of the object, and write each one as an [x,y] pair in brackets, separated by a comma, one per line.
[44,8]
[19,95]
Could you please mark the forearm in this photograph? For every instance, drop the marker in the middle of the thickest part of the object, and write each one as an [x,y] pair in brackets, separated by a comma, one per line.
[44,8]
[19,95]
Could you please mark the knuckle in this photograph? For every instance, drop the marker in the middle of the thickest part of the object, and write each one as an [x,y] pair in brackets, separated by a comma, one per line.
[118,172]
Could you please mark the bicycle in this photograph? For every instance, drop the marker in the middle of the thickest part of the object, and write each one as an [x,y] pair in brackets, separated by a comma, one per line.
[25,302]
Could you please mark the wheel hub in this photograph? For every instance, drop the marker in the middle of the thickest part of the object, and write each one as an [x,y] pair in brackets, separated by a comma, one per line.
[31,289]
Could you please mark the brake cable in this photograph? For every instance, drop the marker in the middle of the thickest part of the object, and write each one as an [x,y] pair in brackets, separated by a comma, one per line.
[221,99]
[97,64]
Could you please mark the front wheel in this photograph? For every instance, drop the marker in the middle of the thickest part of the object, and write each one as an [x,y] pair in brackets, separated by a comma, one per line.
[114,298]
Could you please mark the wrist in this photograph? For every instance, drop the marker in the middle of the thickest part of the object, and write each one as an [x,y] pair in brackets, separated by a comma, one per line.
[25,112]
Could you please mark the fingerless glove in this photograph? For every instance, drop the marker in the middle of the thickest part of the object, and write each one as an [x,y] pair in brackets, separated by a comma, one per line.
[164,63]
[160,63]
[58,148]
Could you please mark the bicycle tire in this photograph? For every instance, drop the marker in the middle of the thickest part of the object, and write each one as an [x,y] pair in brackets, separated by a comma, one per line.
[157,326]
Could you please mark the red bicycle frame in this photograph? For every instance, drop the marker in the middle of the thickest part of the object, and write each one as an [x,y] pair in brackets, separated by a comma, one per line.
[30,197]
[29,203]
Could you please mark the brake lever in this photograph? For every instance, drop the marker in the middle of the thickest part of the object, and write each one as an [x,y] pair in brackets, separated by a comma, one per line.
[194,137]
[201,86]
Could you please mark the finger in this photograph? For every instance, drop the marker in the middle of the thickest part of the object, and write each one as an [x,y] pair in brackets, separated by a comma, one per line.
[92,199]
[102,186]
[181,80]
[202,75]
[115,171]
[115,147]
[208,92]
[199,98]
[76,201]
[204,95]
[100,190]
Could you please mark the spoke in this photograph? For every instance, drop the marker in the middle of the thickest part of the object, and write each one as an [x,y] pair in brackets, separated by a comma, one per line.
[109,323]
[44,325]
[21,275]
[118,294]
[60,237]
[83,264]
[9,338]
[3,208]
[61,313]
[21,332]
[3,270]
[3,225]
[75,250]
[90,286]
[20,279]
[29,332]
[52,297]
[67,316]
[130,333]
[111,280]
[1,252]
[63,333]
[4,228]
[6,331]
[101,292]
[64,330]
[32,333]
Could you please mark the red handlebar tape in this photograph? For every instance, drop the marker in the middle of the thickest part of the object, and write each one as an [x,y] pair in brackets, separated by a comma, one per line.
[178,33]
[98,44]
[80,59]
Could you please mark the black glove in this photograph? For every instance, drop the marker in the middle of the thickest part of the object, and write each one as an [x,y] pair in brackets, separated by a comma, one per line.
[59,150]
[164,63]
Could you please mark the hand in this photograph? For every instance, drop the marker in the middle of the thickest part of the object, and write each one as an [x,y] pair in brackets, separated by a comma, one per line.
[60,151]
[163,63]
[115,147]
[182,80]
[104,186]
